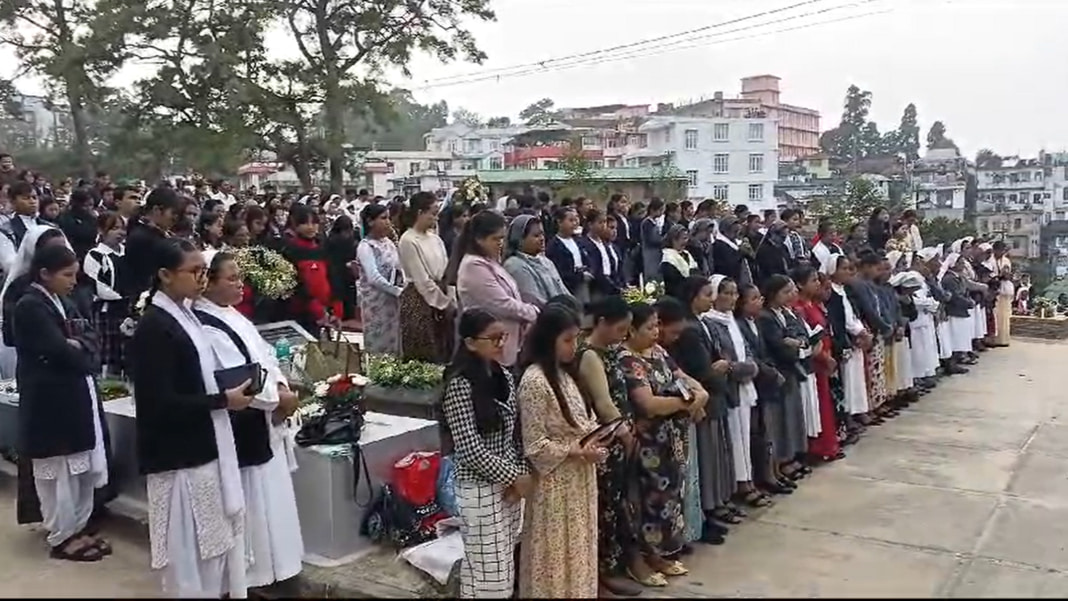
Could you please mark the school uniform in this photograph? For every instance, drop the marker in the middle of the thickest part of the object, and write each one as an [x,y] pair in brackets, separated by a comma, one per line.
[606,267]
[61,421]
[186,450]
[104,266]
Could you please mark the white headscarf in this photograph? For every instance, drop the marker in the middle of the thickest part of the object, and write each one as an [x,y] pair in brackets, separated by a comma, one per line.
[908,279]
[926,254]
[941,248]
[894,257]
[715,280]
[746,390]
[948,264]
[24,257]
[957,245]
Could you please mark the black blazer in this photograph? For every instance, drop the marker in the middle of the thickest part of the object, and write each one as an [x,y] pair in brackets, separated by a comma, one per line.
[767,380]
[174,426]
[739,372]
[727,261]
[607,284]
[866,300]
[80,229]
[786,359]
[55,405]
[143,244]
[695,352]
[840,339]
[626,237]
[564,261]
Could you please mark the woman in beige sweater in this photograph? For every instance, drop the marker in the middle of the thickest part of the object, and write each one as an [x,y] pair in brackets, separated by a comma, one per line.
[427,306]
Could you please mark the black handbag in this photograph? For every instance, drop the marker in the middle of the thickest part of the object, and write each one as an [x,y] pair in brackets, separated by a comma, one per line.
[340,423]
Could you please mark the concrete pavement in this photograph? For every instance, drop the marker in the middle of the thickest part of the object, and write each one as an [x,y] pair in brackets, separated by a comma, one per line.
[965,494]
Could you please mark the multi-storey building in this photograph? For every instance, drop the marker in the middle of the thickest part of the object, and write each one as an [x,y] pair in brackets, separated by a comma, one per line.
[731,159]
[798,127]
[1011,204]
[939,183]
[474,148]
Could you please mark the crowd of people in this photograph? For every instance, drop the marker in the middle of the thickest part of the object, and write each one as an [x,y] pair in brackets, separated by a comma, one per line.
[651,426]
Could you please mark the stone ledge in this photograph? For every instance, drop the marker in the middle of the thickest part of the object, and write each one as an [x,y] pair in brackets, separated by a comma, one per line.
[1050,328]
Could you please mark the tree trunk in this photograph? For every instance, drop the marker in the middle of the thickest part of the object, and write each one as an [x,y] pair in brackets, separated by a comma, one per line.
[75,84]
[334,118]
[81,133]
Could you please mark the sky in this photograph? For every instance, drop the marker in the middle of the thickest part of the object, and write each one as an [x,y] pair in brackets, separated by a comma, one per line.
[992,70]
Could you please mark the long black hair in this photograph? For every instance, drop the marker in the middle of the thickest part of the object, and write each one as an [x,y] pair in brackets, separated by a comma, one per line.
[488,382]
[51,259]
[540,350]
[170,254]
[480,226]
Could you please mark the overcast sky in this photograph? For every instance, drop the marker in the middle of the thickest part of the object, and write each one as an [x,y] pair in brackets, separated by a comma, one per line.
[994,71]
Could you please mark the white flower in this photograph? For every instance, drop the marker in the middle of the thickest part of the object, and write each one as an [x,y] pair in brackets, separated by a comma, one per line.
[358,380]
[321,389]
[142,301]
[650,288]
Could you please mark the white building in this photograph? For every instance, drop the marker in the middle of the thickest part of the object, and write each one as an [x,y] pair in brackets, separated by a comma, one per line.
[732,159]
[940,180]
[393,172]
[475,148]
[1011,204]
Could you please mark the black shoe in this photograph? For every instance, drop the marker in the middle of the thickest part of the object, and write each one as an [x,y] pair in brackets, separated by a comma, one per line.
[714,527]
[711,538]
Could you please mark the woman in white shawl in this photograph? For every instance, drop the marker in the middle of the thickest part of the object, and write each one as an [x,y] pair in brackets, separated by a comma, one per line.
[959,307]
[844,317]
[196,506]
[272,527]
[923,329]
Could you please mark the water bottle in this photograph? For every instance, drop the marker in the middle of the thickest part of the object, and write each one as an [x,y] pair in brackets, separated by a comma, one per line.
[284,353]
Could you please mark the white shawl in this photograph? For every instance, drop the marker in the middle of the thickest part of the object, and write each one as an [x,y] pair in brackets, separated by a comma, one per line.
[230,356]
[948,264]
[747,392]
[683,262]
[233,495]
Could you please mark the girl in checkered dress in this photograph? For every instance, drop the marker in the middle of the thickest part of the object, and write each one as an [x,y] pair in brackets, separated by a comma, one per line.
[104,265]
[480,427]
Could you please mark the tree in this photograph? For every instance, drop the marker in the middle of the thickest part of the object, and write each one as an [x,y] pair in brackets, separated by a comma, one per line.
[852,205]
[466,117]
[941,230]
[539,113]
[73,46]
[855,137]
[987,159]
[499,122]
[907,138]
[936,137]
[578,169]
[400,126]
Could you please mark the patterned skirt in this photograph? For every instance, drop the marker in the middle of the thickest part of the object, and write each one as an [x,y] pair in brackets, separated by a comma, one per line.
[661,477]
[112,341]
[616,533]
[875,374]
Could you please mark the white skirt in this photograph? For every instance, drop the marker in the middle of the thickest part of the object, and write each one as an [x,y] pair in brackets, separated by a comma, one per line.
[853,384]
[980,322]
[739,420]
[810,402]
[962,332]
[944,337]
[272,526]
[903,364]
[924,352]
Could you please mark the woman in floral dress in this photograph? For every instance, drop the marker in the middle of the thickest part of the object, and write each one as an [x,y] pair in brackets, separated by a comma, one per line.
[380,283]
[600,376]
[558,554]
[663,411]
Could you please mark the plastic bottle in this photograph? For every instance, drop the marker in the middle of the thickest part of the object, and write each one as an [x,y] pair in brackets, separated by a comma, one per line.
[284,353]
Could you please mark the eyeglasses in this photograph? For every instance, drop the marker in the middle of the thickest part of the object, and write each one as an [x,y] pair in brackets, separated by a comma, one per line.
[497,340]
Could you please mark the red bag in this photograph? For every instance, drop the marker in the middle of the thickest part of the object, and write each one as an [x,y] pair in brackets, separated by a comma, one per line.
[415,477]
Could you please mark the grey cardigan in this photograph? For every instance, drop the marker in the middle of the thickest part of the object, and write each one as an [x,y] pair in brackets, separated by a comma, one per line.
[536,277]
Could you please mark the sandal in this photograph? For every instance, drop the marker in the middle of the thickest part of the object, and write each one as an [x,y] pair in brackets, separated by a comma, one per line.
[654,579]
[754,499]
[98,542]
[675,568]
[88,553]
[726,516]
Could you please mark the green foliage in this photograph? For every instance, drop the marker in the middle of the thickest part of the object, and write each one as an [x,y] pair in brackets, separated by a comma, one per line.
[581,176]
[667,182]
[466,117]
[498,122]
[539,113]
[907,137]
[987,159]
[936,137]
[854,205]
[941,230]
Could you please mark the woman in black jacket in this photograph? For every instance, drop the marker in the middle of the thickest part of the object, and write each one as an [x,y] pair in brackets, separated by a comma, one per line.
[699,356]
[60,415]
[185,443]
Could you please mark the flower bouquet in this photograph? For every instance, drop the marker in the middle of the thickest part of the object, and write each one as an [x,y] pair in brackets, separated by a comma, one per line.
[1043,308]
[268,272]
[647,294]
[388,371]
[470,190]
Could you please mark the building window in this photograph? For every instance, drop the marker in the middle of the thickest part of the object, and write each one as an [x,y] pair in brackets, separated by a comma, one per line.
[944,198]
[756,191]
[667,136]
[756,132]
[1015,244]
[756,163]
[590,142]
[611,142]
[691,139]
[691,178]
[721,132]
[496,163]
[471,145]
[720,191]
[1064,192]
[452,145]
[1017,223]
[983,225]
[495,144]
[1037,198]
[721,163]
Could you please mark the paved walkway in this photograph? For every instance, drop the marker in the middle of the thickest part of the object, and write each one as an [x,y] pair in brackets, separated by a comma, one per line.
[964,495]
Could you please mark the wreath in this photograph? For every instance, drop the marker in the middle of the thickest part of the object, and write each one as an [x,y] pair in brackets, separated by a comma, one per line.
[648,294]
[388,371]
[268,272]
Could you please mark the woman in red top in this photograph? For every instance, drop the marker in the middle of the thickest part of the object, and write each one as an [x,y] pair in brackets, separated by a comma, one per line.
[812,291]
[314,304]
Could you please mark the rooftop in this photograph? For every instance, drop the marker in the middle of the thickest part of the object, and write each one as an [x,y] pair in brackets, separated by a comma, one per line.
[620,174]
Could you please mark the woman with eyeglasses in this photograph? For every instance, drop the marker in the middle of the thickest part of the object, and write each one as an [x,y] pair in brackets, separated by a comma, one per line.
[185,443]
[480,428]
